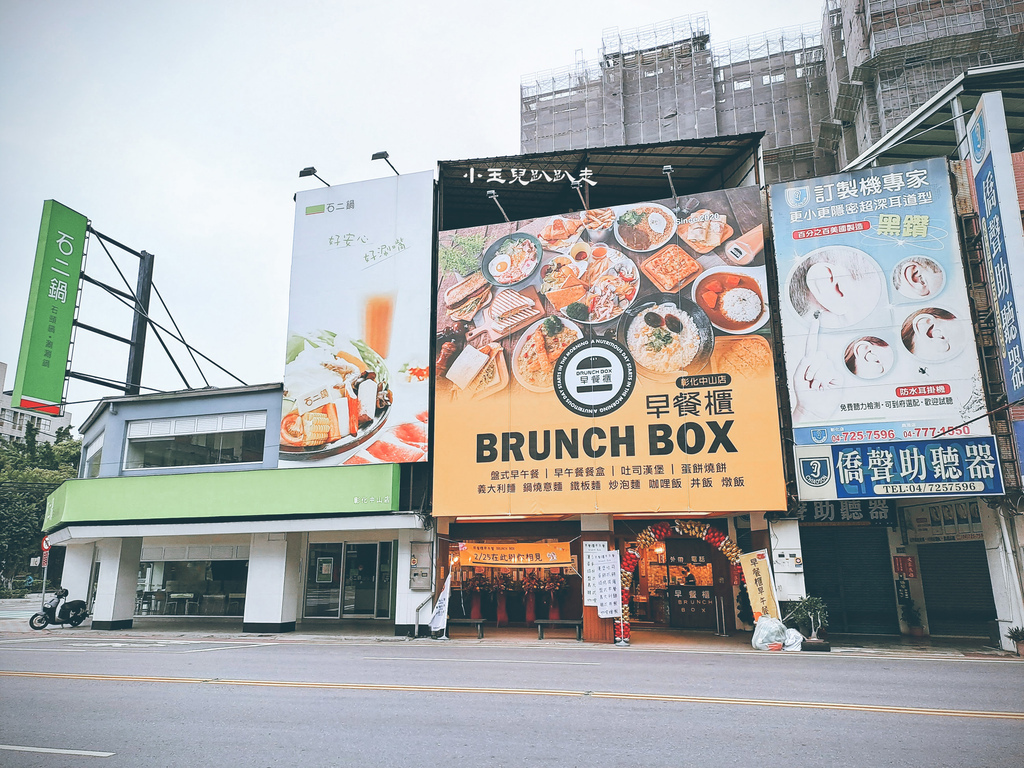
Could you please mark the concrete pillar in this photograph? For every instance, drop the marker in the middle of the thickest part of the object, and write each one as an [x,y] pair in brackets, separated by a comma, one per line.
[274,582]
[758,532]
[597,528]
[115,591]
[78,560]
[1002,569]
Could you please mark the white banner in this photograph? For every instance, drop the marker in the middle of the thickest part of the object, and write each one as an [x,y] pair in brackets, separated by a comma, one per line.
[607,581]
[590,548]
[439,619]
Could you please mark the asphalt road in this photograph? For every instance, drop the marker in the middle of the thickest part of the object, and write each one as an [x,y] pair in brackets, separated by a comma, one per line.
[267,702]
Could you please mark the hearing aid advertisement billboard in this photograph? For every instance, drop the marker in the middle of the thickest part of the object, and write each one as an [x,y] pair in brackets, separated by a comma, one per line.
[877,333]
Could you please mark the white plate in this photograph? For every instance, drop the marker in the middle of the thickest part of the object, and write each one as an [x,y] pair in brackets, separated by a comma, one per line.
[616,259]
[670,218]
[758,273]
[517,350]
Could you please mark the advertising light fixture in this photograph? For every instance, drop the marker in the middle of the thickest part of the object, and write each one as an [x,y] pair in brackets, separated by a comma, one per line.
[494,196]
[384,156]
[311,171]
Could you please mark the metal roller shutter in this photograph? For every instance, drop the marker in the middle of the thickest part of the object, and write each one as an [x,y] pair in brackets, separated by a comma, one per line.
[849,568]
[957,588]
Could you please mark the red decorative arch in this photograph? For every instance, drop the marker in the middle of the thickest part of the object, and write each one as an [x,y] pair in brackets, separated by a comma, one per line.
[648,537]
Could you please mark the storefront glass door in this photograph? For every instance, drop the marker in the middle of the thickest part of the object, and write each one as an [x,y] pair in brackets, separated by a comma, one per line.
[360,591]
[323,580]
[384,582]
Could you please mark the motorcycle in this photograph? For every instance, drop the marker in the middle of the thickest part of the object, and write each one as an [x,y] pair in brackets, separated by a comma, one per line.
[73,612]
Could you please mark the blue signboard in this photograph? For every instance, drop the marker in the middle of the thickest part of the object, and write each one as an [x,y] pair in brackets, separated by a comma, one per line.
[1001,234]
[965,466]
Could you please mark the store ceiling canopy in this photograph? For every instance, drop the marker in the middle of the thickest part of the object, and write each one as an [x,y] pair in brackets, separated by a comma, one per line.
[627,174]
[930,131]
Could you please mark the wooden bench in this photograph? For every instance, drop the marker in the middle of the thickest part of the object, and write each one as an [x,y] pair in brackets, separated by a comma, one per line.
[578,623]
[469,622]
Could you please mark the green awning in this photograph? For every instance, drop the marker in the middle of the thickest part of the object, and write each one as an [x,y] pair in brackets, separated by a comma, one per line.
[213,496]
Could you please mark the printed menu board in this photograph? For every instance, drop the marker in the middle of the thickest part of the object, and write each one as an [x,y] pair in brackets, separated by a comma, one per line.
[609,360]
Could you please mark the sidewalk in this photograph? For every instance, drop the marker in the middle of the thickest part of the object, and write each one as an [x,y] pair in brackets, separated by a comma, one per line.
[14,615]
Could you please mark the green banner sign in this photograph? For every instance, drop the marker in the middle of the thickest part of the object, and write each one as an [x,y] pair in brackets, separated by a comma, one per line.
[46,338]
[306,492]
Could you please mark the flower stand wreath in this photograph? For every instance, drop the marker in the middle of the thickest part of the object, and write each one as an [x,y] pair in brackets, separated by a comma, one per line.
[655,533]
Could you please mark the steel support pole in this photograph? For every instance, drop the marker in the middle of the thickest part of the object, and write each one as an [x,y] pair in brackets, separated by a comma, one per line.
[140,323]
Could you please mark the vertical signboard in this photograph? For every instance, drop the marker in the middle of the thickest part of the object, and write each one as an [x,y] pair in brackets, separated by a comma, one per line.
[606,582]
[1002,237]
[357,358]
[46,338]
[881,360]
[612,360]
[757,572]
[589,587]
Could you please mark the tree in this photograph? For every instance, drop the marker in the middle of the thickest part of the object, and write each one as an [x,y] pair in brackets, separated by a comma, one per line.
[29,472]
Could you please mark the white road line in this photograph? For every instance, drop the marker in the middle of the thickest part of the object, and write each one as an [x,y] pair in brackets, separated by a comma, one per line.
[488,661]
[228,647]
[79,752]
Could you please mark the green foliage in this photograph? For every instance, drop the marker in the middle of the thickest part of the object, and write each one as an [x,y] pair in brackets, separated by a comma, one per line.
[463,255]
[1016,634]
[911,614]
[29,472]
[803,610]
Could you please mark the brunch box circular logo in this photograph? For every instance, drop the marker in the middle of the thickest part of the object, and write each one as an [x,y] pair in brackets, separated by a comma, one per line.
[594,377]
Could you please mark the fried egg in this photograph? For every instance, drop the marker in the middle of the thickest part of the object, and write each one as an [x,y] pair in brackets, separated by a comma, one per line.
[657,222]
[499,265]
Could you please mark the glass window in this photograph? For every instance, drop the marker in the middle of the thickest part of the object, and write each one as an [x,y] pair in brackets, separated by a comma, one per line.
[191,587]
[93,458]
[195,450]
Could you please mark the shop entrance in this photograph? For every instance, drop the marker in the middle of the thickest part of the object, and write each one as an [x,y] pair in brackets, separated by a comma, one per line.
[849,567]
[349,581]
[957,588]
[678,583]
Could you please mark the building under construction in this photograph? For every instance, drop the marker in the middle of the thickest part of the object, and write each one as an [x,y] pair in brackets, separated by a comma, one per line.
[821,92]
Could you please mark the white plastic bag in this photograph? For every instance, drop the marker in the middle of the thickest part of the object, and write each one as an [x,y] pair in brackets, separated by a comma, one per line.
[769,632]
[794,640]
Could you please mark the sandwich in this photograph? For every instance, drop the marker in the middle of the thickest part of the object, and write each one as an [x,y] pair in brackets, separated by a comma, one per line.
[508,303]
[466,298]
[492,377]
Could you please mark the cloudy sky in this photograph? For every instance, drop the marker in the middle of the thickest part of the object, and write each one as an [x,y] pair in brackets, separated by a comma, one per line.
[179,128]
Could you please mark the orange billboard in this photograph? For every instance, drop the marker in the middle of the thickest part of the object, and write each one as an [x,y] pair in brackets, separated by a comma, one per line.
[608,361]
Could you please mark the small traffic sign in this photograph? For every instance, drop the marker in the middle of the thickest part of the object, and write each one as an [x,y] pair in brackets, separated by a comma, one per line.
[46,543]
[46,557]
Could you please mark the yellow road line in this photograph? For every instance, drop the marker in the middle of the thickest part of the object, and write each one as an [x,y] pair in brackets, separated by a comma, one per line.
[880,709]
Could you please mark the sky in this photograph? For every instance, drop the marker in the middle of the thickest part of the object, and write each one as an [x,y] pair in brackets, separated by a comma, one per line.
[179,128]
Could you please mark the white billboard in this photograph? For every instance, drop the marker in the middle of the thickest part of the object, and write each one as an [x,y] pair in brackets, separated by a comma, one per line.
[356,388]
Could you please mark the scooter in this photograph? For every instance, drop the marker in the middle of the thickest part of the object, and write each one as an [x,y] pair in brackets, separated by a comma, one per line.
[73,612]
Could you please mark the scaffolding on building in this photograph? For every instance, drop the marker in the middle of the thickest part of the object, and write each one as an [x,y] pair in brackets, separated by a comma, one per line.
[818,91]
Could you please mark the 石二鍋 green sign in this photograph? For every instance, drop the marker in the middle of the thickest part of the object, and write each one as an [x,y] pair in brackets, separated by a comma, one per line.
[46,338]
